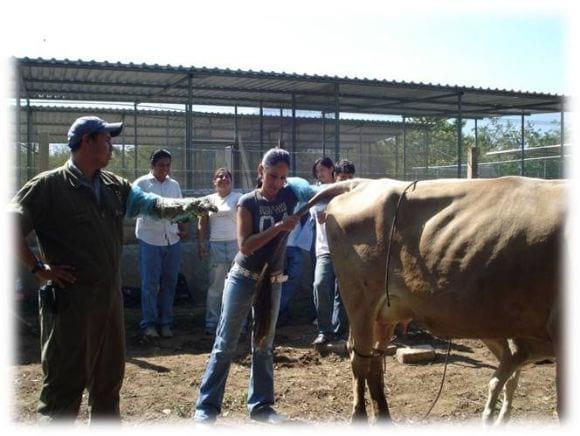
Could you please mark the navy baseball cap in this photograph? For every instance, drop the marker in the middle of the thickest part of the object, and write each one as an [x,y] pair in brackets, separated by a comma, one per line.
[89,125]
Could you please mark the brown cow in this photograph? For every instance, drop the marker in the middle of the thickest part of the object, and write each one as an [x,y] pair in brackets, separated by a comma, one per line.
[469,259]
[512,355]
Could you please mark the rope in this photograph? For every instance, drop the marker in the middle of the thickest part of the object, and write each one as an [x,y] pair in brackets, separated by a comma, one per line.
[441,385]
[393,226]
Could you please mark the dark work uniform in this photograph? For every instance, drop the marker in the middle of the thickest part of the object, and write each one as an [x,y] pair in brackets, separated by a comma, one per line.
[82,337]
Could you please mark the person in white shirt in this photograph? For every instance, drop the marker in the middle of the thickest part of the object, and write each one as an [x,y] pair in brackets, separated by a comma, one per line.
[223,245]
[330,311]
[159,250]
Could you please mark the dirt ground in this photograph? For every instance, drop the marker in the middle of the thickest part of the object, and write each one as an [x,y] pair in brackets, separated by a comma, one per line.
[162,379]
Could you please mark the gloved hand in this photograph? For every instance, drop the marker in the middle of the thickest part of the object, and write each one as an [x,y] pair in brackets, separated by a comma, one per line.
[193,207]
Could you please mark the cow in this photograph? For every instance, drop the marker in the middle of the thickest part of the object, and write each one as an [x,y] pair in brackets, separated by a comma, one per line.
[476,258]
[512,355]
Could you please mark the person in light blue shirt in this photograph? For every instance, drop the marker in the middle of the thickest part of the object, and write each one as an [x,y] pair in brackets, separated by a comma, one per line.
[298,246]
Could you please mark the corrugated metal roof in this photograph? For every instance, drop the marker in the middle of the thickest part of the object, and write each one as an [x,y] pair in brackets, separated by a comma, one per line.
[55,109]
[54,79]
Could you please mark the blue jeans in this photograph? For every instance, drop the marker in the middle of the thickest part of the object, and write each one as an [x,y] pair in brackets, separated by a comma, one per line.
[237,302]
[159,267]
[330,310]
[221,257]
[294,268]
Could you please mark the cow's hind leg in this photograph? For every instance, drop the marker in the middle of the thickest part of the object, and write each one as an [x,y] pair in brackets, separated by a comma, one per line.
[508,397]
[500,349]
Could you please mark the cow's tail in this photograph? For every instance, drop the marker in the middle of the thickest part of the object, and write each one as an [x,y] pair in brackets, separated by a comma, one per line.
[330,192]
[263,299]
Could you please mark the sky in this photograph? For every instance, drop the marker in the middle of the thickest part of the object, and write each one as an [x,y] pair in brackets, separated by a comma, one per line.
[519,47]
[510,44]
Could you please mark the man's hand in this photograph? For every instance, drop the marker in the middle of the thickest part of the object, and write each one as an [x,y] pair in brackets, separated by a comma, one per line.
[59,274]
[193,207]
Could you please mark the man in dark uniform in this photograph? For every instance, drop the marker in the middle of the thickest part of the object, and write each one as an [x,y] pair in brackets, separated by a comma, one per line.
[77,212]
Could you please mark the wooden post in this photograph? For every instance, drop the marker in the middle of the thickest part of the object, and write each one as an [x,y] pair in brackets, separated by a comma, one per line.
[472,163]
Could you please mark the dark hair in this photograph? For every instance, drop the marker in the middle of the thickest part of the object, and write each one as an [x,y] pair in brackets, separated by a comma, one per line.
[325,162]
[274,156]
[77,145]
[344,166]
[159,154]
[221,171]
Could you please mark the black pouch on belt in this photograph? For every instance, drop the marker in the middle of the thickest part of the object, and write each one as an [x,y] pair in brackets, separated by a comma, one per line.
[47,295]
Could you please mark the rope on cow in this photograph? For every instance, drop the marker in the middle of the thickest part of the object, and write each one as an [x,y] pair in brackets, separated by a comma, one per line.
[393,227]
[441,385]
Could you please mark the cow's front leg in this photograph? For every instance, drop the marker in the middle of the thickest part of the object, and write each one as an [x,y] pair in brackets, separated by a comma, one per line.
[360,370]
[359,410]
[376,383]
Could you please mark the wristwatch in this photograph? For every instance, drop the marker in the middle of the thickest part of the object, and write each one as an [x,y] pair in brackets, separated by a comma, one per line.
[39,265]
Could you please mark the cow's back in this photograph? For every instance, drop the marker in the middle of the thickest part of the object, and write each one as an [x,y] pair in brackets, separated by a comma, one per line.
[471,258]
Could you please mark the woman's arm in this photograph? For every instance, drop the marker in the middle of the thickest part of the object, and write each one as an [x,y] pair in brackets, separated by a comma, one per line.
[248,242]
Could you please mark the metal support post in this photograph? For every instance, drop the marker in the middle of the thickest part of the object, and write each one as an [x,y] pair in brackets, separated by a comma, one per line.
[293,134]
[135,157]
[28,140]
[459,133]
[323,133]
[123,164]
[18,136]
[188,136]
[337,122]
[522,152]
[562,140]
[281,133]
[404,148]
[261,129]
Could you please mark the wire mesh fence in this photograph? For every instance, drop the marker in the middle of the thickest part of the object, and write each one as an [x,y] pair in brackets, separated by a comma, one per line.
[417,149]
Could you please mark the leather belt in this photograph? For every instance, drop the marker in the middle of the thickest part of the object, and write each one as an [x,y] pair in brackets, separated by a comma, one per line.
[276,278]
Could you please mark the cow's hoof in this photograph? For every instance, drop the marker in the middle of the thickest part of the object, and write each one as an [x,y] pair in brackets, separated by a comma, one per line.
[359,417]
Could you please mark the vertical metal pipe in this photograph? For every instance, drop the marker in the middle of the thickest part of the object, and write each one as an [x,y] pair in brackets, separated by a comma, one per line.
[280,140]
[123,163]
[323,133]
[426,151]
[396,156]
[459,133]
[237,157]
[28,140]
[522,143]
[261,129]
[476,137]
[293,134]
[404,148]
[562,140]
[135,160]
[188,136]
[167,131]
[18,133]
[337,121]
[236,132]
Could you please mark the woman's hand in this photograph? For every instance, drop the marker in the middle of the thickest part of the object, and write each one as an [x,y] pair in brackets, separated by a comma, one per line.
[288,223]
[59,274]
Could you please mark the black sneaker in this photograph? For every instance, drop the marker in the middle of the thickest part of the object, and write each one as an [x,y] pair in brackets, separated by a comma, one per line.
[321,339]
